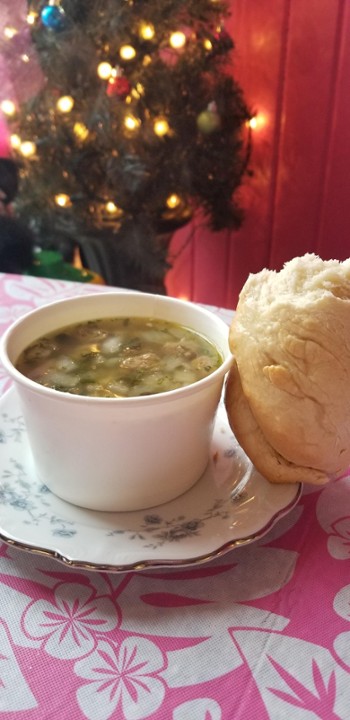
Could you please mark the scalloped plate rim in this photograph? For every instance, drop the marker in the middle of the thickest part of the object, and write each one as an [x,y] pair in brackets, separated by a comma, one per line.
[144,561]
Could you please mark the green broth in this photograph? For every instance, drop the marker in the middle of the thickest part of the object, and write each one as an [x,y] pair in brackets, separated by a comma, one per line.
[119,357]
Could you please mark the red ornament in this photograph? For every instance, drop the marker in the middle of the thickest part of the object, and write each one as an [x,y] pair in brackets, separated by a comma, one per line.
[118,87]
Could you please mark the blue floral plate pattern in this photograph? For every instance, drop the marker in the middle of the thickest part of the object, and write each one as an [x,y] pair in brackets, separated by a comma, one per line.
[230,505]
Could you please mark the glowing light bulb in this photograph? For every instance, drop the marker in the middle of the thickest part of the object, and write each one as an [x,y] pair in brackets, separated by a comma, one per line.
[161,126]
[10,32]
[25,58]
[8,107]
[65,104]
[104,70]
[173,201]
[112,208]
[252,123]
[131,122]
[27,148]
[80,130]
[15,141]
[146,60]
[62,200]
[31,17]
[127,52]
[177,40]
[146,31]
[257,122]
[138,91]
[207,44]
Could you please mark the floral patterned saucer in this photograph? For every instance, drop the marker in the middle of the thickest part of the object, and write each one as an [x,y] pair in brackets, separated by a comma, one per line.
[230,505]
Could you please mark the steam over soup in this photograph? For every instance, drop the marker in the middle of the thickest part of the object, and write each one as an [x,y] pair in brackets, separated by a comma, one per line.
[119,357]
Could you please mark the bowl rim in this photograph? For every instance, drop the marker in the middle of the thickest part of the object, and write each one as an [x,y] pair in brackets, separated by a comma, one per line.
[158,398]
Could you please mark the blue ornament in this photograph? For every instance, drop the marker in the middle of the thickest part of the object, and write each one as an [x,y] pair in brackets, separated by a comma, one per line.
[53,17]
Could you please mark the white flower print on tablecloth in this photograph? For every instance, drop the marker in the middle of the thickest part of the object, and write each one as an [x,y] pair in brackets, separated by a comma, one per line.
[154,628]
[11,678]
[40,291]
[123,679]
[200,709]
[333,514]
[32,292]
[271,568]
[69,628]
[295,678]
[85,618]
[8,315]
[341,606]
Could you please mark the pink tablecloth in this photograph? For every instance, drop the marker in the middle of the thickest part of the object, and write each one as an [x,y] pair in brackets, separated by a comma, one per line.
[261,632]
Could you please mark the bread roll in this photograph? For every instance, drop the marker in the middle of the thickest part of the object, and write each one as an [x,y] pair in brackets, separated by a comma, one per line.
[288,393]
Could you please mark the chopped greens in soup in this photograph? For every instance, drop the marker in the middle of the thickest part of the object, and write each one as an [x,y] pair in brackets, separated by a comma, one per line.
[119,357]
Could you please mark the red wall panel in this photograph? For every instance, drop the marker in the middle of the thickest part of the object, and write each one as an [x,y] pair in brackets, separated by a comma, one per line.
[308,90]
[260,35]
[292,59]
[334,226]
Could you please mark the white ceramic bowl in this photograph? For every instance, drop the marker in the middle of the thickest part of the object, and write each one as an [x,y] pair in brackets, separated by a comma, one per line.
[117,453]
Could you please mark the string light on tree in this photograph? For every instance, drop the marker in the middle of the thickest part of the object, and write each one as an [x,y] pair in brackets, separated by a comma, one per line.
[146,31]
[138,91]
[63,200]
[10,32]
[65,104]
[81,131]
[15,141]
[161,126]
[176,207]
[8,107]
[252,123]
[127,52]
[32,17]
[173,201]
[104,70]
[177,40]
[113,209]
[27,148]
[257,121]
[131,123]
[207,44]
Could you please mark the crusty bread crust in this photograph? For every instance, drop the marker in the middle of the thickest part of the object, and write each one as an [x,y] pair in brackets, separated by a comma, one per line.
[266,459]
[288,394]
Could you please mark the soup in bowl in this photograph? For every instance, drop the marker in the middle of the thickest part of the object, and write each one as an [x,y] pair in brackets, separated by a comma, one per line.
[119,392]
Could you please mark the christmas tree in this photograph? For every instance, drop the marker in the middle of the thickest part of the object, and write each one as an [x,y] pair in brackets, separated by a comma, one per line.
[138,125]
